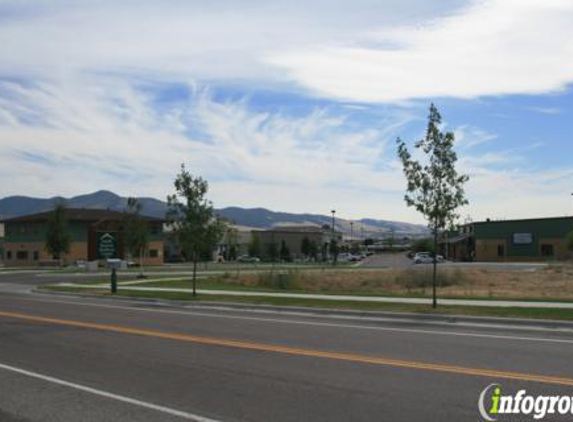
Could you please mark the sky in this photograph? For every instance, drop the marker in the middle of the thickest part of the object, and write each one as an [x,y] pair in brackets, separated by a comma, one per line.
[292,106]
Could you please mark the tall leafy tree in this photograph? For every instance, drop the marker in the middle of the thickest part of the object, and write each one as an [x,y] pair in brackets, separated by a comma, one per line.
[58,237]
[435,189]
[192,218]
[135,231]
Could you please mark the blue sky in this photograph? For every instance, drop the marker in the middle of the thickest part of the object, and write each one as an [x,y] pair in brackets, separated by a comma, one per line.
[290,106]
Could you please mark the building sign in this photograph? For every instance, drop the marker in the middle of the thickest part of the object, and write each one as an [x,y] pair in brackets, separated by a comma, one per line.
[106,245]
[522,238]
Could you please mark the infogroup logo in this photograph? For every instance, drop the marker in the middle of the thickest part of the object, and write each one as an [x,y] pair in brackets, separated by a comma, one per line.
[492,404]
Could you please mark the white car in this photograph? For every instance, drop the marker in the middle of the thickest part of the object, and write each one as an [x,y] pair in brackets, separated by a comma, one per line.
[426,258]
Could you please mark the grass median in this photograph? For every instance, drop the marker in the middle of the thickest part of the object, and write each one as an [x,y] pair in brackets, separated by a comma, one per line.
[505,312]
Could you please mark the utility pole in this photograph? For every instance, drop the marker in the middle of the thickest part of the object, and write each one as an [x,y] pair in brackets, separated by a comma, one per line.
[351,231]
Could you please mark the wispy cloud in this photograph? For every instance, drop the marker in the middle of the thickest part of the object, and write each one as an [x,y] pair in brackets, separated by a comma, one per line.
[493,47]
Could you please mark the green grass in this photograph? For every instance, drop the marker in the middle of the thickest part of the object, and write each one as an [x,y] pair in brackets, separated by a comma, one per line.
[536,313]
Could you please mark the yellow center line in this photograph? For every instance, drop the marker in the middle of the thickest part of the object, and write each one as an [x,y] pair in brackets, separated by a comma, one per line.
[248,345]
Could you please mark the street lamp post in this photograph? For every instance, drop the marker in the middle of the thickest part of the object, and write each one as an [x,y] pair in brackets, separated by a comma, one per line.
[351,231]
[333,212]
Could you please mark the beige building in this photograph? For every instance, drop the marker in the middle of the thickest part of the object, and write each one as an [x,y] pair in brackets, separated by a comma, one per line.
[95,235]
[292,237]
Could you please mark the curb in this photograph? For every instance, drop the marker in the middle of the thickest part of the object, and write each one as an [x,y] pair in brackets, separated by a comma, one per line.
[403,317]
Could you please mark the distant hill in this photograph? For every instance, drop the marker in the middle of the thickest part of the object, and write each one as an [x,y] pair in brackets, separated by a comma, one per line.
[259,218]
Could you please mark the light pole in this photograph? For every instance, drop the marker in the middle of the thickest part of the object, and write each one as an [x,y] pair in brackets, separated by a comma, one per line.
[351,232]
[333,212]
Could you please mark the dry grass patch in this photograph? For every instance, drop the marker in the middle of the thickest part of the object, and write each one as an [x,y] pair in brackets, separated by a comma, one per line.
[554,281]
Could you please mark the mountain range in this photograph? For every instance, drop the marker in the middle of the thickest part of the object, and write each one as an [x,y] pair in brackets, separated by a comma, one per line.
[257,218]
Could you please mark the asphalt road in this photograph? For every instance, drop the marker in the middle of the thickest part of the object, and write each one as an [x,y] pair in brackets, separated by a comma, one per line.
[76,359]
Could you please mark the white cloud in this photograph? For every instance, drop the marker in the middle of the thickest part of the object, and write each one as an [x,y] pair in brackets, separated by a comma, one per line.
[66,140]
[494,47]
[470,137]
[224,41]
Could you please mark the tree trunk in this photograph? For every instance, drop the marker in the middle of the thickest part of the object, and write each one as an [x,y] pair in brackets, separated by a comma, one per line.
[434,275]
[194,274]
[141,275]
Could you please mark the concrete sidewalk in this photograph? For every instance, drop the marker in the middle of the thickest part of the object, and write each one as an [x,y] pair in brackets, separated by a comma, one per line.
[350,298]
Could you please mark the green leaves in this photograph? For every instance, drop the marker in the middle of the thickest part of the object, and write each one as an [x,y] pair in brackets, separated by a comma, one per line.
[434,188]
[135,229]
[192,216]
[58,238]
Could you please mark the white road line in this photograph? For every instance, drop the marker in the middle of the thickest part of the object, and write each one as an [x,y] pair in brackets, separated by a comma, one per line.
[117,397]
[323,324]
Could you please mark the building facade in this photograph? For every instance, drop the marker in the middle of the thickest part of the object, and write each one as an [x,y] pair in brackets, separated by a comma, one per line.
[95,235]
[293,236]
[530,240]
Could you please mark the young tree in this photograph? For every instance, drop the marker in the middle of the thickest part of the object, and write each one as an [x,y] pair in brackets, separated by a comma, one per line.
[305,246]
[58,238]
[569,241]
[193,219]
[334,250]
[272,251]
[285,252]
[435,188]
[135,232]
[232,240]
[313,250]
[391,241]
[255,247]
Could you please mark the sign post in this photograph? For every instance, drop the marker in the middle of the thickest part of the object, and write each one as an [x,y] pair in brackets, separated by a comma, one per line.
[107,249]
[113,281]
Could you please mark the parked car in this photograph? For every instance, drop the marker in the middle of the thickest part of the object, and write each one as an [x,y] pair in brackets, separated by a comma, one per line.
[249,259]
[426,258]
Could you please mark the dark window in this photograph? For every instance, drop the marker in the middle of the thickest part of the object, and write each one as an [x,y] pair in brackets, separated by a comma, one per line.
[153,253]
[9,255]
[546,250]
[22,255]
[500,250]
[36,255]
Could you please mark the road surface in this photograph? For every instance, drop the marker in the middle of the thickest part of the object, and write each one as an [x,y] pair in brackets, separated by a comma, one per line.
[77,359]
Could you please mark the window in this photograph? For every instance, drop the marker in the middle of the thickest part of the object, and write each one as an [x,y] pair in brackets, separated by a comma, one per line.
[500,250]
[8,254]
[36,255]
[153,253]
[22,255]
[546,250]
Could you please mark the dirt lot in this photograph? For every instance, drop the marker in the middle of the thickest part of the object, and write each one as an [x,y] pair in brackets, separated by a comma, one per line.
[552,281]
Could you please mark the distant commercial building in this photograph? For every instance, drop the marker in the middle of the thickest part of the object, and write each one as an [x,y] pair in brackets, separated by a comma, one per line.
[95,235]
[509,240]
[293,236]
